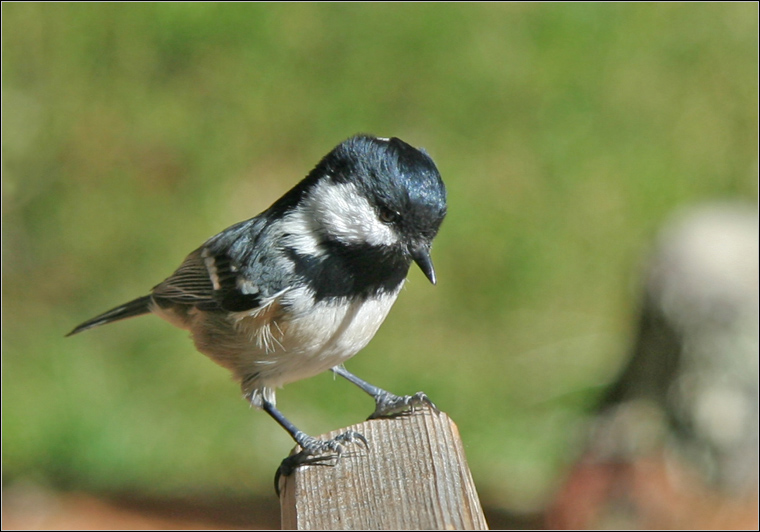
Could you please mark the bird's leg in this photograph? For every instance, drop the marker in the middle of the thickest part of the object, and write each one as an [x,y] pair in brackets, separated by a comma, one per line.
[386,403]
[313,451]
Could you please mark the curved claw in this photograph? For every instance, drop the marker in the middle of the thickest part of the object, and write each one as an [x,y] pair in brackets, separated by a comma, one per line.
[312,446]
[389,405]
[317,452]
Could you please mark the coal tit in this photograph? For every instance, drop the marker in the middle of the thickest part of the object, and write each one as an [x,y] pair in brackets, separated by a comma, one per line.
[305,285]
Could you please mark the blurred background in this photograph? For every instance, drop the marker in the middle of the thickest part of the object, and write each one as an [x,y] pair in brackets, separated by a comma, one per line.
[567,136]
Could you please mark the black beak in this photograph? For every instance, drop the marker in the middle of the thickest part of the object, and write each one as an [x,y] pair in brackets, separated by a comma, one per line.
[421,256]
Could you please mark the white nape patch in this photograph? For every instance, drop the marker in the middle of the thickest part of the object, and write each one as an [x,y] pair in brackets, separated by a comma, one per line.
[384,139]
[337,210]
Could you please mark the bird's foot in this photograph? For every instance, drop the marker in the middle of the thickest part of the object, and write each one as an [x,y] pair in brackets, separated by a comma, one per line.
[390,405]
[318,452]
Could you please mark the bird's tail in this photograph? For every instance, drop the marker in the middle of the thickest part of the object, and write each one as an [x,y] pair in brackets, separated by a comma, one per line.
[135,307]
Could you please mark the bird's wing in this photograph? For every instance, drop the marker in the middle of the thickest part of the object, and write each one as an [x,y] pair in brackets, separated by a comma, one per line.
[190,284]
[230,272]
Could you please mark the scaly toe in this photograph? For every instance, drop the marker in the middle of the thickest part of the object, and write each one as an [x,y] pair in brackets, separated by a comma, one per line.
[318,452]
[390,405]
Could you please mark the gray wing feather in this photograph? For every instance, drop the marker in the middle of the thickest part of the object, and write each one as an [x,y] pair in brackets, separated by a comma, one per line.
[232,272]
[190,284]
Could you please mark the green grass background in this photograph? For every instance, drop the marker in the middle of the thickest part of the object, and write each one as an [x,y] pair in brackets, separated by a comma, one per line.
[566,135]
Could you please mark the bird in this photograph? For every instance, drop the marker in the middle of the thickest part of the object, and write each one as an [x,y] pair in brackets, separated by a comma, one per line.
[305,285]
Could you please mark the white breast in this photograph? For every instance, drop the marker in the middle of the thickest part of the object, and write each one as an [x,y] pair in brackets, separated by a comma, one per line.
[280,351]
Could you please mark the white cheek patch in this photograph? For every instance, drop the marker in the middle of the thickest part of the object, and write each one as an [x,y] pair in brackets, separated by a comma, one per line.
[348,216]
[337,210]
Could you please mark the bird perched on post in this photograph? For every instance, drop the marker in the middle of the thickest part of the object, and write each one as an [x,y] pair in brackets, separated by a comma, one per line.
[305,285]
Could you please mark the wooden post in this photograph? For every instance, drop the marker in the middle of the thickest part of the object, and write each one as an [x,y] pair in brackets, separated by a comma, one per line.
[413,476]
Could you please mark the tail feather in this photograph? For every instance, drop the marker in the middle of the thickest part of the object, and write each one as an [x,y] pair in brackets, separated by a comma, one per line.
[135,307]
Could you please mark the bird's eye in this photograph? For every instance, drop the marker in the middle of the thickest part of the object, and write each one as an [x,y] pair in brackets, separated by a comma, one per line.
[388,216]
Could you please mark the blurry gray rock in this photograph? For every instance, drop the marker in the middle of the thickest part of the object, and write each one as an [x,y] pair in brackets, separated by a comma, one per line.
[693,375]
[674,443]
